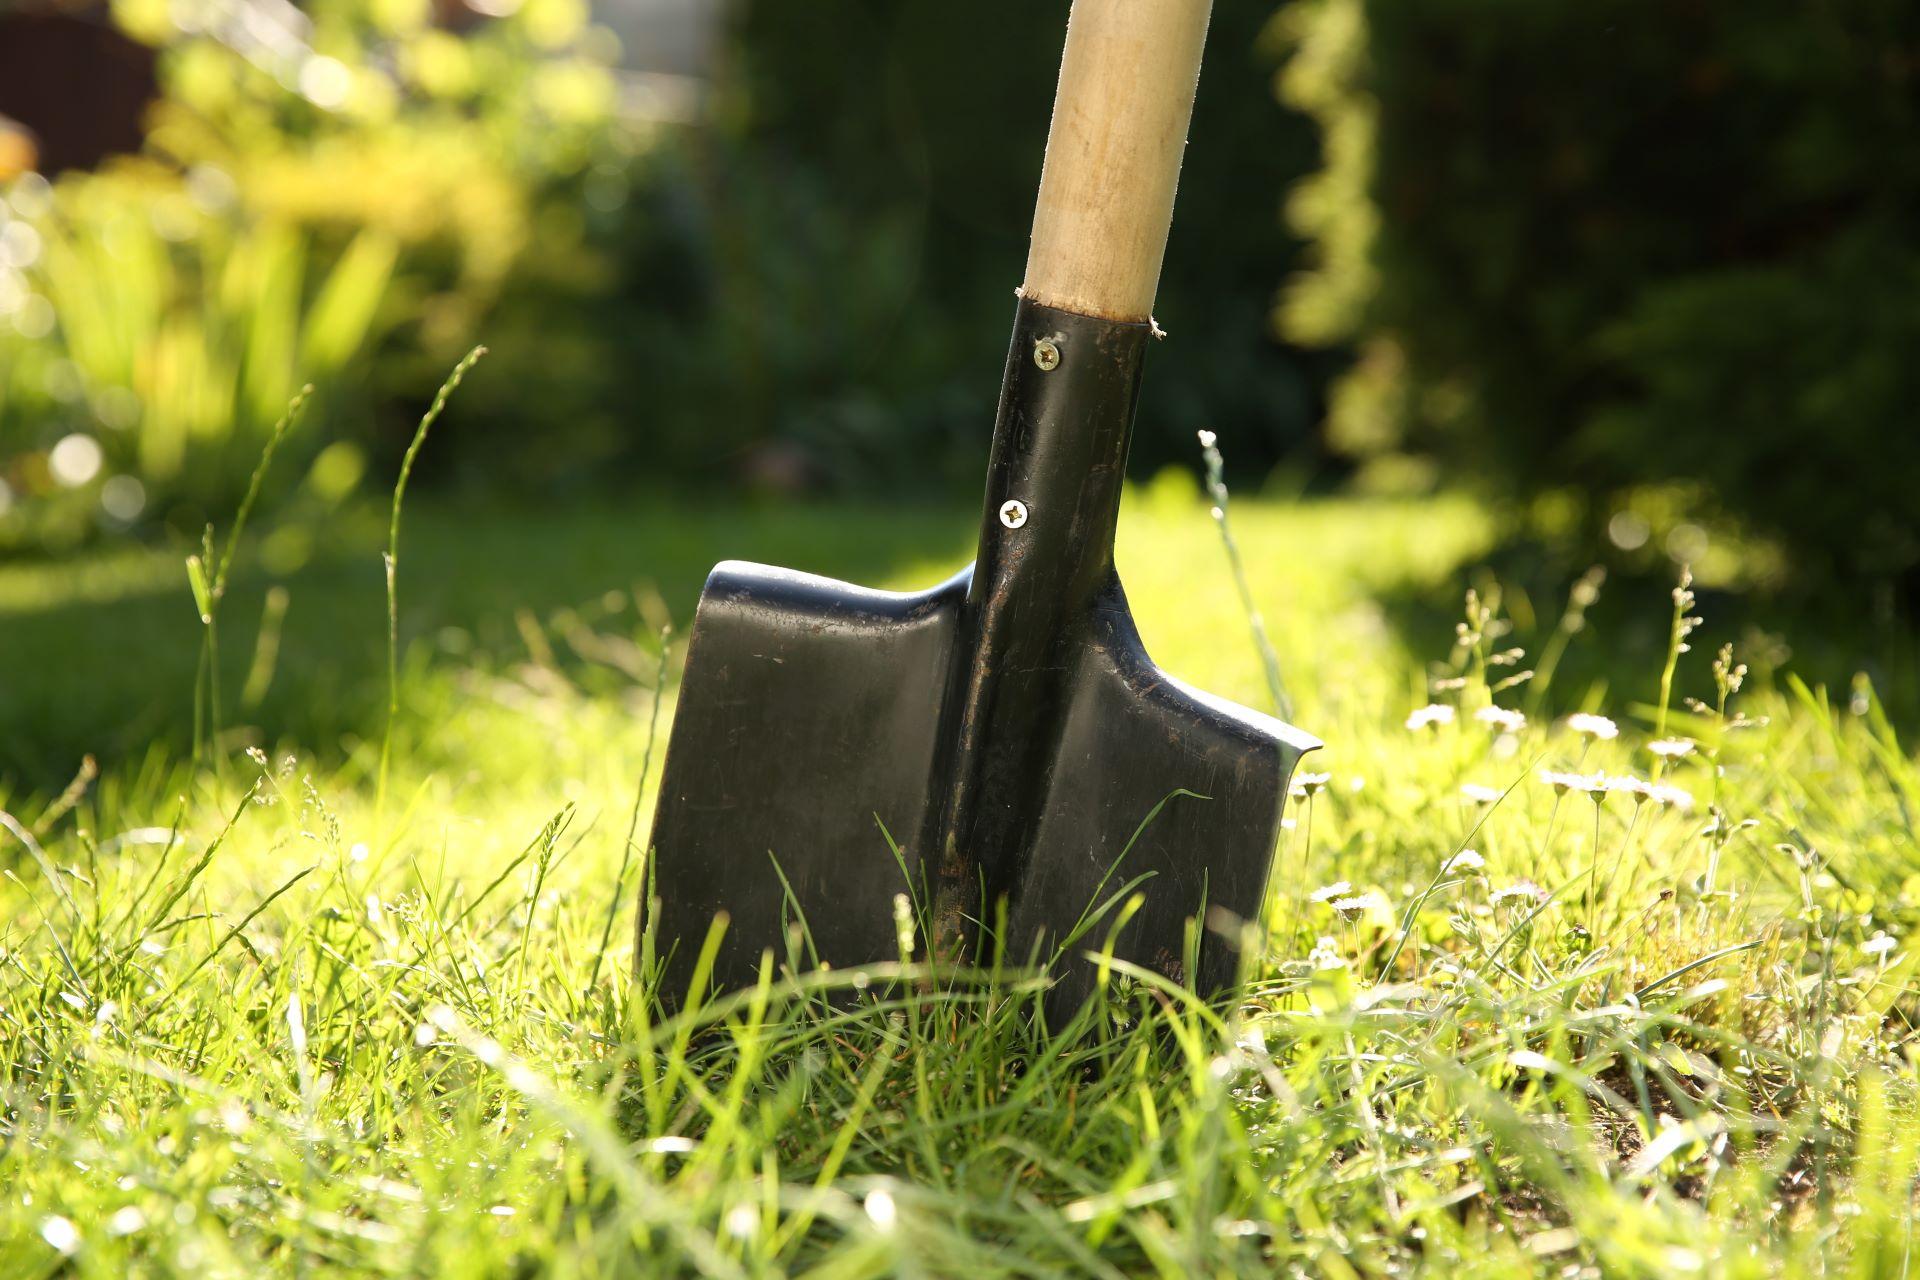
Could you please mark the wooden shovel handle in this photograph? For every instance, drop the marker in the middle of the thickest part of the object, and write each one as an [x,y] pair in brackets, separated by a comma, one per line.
[1120,117]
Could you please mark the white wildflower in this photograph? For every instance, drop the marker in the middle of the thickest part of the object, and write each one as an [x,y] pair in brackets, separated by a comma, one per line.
[1505,719]
[1671,797]
[1671,748]
[1523,890]
[1328,892]
[1480,794]
[1593,726]
[1636,789]
[672,1145]
[1306,785]
[61,1234]
[1465,860]
[880,1208]
[1589,783]
[743,1221]
[1326,955]
[1880,943]
[1362,904]
[126,1220]
[1434,713]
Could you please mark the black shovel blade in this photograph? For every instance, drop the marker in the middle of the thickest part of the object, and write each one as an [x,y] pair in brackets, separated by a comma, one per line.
[808,718]
[814,711]
[1158,792]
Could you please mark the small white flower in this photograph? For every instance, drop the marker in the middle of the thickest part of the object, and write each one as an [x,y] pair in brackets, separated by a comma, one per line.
[1362,904]
[1434,713]
[881,1210]
[1207,439]
[1525,890]
[1505,719]
[1671,797]
[1308,784]
[61,1234]
[743,1221]
[1589,783]
[1879,944]
[1465,860]
[1637,789]
[1326,955]
[125,1221]
[1328,892]
[1593,726]
[1671,748]
[1479,794]
[672,1145]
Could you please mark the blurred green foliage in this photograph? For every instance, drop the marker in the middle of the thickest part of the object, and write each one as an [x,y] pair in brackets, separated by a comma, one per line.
[867,198]
[811,290]
[319,187]
[1594,247]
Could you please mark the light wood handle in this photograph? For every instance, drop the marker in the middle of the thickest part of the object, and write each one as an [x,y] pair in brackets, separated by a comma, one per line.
[1120,117]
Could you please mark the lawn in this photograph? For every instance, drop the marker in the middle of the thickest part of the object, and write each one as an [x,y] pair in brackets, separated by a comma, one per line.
[1529,998]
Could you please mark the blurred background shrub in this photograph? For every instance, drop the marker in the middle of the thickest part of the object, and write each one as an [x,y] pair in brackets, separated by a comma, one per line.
[339,194]
[874,165]
[796,276]
[1661,263]
[1640,276]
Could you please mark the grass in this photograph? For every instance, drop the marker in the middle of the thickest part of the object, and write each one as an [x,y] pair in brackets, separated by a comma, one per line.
[250,1024]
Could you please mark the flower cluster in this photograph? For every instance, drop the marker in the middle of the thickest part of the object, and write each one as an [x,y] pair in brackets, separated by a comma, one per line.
[1600,785]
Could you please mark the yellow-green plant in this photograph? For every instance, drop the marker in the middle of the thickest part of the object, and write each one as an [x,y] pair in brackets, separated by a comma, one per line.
[177,333]
[335,197]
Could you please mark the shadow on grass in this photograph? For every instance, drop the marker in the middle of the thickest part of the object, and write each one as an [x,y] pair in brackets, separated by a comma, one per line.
[1614,662]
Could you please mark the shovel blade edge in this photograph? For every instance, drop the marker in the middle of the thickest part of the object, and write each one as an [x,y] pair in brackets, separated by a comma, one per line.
[1152,778]
[808,715]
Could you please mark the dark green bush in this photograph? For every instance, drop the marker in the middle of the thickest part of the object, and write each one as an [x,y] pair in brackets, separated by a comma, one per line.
[1603,245]
[867,207]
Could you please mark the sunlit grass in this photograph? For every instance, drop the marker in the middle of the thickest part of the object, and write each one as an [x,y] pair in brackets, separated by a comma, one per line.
[250,1023]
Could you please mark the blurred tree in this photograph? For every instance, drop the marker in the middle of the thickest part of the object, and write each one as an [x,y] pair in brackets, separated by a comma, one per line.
[1596,246]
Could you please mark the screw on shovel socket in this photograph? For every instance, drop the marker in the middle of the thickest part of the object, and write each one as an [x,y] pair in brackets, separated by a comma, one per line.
[1013,514]
[1046,354]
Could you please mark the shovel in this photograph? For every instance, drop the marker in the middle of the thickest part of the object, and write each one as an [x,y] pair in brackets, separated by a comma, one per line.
[999,748]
